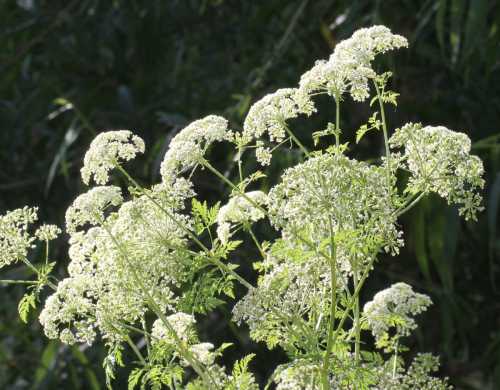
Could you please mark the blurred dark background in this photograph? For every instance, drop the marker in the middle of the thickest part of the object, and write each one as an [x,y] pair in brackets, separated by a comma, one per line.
[70,69]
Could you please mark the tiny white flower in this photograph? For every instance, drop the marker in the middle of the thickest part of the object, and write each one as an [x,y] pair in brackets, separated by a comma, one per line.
[349,67]
[106,151]
[15,239]
[269,115]
[395,307]
[189,145]
[90,206]
[47,232]
[239,209]
[439,160]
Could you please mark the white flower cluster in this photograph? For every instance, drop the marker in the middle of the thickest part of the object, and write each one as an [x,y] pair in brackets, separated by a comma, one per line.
[106,151]
[189,145]
[71,308]
[15,240]
[269,115]
[47,232]
[439,160]
[299,375]
[331,192]
[90,206]
[417,376]
[181,323]
[203,352]
[183,326]
[293,284]
[239,209]
[139,243]
[334,215]
[349,67]
[394,307]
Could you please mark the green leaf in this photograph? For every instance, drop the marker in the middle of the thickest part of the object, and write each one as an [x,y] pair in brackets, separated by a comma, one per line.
[27,302]
[373,124]
[360,133]
[390,97]
[134,378]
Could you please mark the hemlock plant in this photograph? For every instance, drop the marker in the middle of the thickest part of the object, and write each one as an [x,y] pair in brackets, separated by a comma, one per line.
[146,262]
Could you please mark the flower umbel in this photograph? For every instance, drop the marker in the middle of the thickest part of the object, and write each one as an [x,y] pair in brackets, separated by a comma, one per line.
[439,160]
[349,67]
[106,151]
[90,207]
[15,240]
[394,307]
[189,145]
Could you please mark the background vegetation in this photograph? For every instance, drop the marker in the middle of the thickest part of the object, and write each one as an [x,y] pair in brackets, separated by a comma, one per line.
[70,69]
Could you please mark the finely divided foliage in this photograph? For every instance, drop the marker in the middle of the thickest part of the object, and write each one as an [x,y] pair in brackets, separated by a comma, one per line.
[147,263]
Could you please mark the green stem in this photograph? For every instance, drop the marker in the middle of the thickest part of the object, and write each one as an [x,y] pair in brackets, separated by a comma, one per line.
[256,242]
[356,318]
[240,170]
[395,359]
[9,281]
[333,308]
[337,120]
[46,252]
[384,130]
[355,294]
[296,140]
[34,269]
[410,205]
[136,350]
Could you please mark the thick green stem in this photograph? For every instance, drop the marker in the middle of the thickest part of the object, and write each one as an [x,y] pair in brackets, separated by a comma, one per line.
[394,365]
[136,350]
[356,319]
[331,325]
[410,205]
[337,120]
